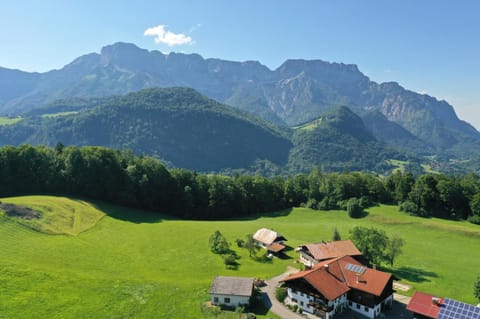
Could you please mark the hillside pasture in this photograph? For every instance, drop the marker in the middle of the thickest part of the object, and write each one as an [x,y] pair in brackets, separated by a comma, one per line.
[145,265]
[9,120]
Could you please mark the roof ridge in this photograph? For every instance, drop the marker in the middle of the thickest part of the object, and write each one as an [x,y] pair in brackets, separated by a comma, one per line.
[343,274]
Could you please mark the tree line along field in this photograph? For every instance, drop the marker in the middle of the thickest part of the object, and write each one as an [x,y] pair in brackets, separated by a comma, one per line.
[145,265]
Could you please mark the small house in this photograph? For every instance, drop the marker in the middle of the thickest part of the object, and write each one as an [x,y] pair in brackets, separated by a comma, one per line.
[270,240]
[231,292]
[312,254]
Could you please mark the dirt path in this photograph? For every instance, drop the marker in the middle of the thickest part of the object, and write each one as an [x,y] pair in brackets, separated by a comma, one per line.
[268,294]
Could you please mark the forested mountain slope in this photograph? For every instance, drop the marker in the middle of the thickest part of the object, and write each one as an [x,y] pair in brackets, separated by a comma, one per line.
[296,92]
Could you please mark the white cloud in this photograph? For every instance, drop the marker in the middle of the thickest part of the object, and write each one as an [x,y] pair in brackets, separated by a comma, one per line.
[169,38]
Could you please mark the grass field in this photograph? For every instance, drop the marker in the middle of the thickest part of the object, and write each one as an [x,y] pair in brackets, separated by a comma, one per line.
[9,120]
[141,265]
[52,115]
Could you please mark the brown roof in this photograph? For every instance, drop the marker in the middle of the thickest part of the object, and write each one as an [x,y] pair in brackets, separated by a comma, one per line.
[235,286]
[371,280]
[422,304]
[329,286]
[275,247]
[267,236]
[333,249]
[332,278]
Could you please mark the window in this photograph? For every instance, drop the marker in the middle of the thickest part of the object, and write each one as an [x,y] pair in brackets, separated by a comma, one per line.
[301,303]
[349,303]
[226,300]
[366,309]
[358,306]
[215,299]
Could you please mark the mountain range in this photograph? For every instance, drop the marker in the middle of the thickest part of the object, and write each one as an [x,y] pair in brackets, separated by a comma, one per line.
[296,93]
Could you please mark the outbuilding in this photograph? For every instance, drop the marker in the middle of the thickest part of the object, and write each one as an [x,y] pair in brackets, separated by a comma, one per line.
[231,291]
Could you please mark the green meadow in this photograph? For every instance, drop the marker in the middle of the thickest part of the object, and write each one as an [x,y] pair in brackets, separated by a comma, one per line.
[9,120]
[53,115]
[124,263]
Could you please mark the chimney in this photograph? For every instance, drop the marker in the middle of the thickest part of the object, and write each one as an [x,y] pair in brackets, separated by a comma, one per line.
[326,267]
[358,278]
[435,301]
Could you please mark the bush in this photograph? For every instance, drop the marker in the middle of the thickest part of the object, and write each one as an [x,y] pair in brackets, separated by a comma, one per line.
[475,219]
[281,293]
[240,243]
[218,243]
[353,208]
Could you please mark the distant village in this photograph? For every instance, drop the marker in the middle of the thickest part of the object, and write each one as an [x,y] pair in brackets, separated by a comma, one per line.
[336,278]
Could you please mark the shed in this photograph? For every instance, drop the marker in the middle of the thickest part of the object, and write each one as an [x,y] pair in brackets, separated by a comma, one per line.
[231,291]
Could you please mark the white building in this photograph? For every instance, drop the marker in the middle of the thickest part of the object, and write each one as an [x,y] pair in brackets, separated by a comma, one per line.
[333,285]
[231,291]
[270,240]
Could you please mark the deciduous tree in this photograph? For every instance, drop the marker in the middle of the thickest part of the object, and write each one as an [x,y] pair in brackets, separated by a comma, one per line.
[218,243]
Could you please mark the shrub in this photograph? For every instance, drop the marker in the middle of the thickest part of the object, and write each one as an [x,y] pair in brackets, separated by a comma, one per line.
[240,243]
[353,208]
[475,219]
[218,243]
[281,293]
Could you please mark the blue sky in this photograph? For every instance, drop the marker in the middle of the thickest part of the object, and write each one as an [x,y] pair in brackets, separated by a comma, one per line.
[427,46]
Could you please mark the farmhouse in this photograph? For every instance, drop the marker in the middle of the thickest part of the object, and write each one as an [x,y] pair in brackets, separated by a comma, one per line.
[335,284]
[425,306]
[312,254]
[270,240]
[231,291]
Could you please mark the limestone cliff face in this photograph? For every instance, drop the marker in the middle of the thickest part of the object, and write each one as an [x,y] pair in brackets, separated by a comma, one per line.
[294,93]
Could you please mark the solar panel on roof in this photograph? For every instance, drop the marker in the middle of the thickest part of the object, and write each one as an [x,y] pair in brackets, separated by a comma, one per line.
[356,268]
[453,309]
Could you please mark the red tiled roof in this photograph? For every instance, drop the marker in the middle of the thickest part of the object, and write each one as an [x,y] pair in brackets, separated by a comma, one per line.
[275,247]
[422,304]
[329,286]
[332,279]
[333,249]
[372,281]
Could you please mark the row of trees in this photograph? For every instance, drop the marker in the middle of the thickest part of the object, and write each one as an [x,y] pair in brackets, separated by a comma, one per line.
[143,182]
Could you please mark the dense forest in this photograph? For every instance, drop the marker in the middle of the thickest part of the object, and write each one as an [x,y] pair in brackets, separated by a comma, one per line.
[122,178]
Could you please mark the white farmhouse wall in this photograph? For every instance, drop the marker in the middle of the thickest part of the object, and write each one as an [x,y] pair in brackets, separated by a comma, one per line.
[367,311]
[302,300]
[234,300]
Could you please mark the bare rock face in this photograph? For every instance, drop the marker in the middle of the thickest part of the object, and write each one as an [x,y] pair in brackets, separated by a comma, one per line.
[296,92]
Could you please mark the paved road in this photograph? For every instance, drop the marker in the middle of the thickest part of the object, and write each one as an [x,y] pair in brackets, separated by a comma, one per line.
[268,294]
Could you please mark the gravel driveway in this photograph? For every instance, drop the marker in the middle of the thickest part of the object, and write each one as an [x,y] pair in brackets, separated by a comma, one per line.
[268,294]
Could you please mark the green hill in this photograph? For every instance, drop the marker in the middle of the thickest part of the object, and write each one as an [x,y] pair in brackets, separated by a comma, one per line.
[134,264]
[338,140]
[177,125]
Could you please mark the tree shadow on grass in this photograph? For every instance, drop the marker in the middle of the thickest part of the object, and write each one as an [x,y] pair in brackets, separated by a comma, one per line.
[413,274]
[279,213]
[262,259]
[362,214]
[132,215]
